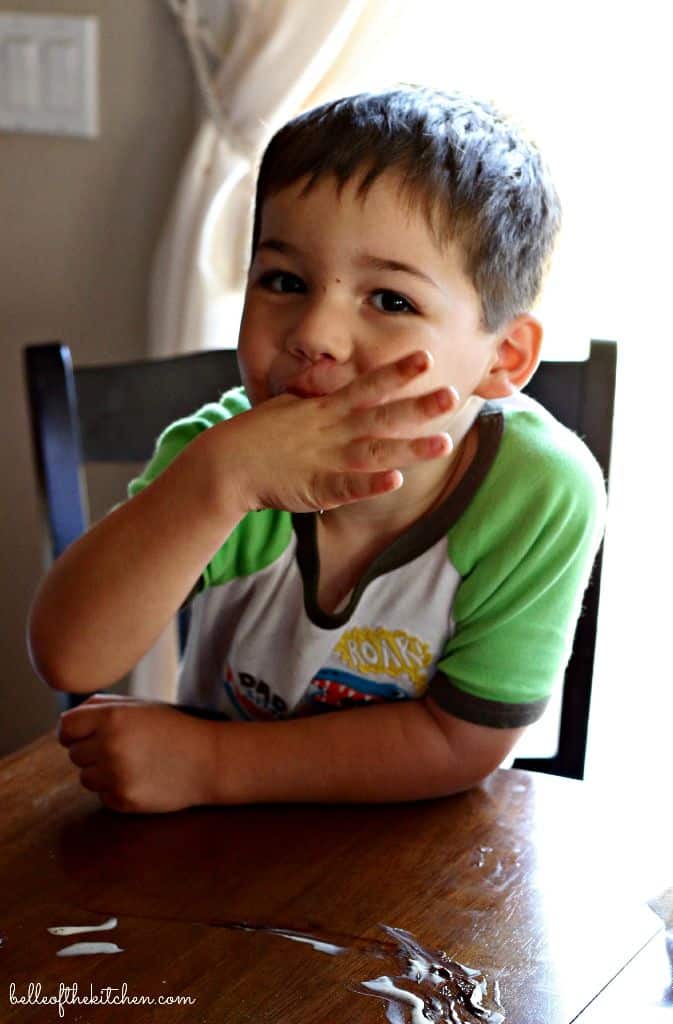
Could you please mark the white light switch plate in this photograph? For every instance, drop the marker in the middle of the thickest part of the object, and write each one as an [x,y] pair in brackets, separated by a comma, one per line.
[49,74]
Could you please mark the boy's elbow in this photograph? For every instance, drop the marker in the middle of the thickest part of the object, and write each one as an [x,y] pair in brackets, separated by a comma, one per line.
[472,752]
[47,656]
[461,778]
[44,664]
[473,779]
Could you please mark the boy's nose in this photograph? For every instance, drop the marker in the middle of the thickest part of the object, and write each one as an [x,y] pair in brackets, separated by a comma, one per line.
[322,331]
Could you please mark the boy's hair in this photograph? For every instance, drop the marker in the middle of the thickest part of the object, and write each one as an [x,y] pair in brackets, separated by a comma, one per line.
[479,182]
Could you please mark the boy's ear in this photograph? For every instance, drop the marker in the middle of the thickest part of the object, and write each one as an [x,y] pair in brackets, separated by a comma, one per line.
[516,358]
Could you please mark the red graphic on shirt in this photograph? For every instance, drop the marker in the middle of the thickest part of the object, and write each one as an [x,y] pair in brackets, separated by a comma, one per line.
[329,694]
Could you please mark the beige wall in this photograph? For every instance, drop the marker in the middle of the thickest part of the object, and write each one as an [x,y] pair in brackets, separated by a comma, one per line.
[79,220]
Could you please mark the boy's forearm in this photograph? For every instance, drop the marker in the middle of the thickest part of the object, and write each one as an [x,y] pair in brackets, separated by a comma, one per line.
[381,753]
[108,597]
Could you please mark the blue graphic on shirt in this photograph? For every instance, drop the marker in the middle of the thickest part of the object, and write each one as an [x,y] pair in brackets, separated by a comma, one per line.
[333,688]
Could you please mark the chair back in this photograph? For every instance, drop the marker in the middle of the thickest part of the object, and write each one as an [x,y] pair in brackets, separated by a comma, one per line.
[581,396]
[114,413]
[108,413]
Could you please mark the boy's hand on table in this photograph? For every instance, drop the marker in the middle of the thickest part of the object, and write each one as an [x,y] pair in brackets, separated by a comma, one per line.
[307,453]
[139,756]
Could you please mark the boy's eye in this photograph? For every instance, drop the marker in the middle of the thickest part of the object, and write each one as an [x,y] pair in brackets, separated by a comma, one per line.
[282,282]
[391,302]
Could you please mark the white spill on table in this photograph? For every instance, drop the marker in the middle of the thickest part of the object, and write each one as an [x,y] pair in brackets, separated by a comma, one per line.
[89,949]
[86,948]
[78,929]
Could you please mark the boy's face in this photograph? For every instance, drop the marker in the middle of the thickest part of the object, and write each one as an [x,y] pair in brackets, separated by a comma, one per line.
[342,284]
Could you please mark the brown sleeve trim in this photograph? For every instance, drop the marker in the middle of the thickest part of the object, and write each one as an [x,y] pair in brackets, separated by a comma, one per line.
[480,710]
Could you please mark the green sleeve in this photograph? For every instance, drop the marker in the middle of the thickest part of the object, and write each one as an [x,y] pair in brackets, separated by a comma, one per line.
[524,550]
[178,435]
[260,537]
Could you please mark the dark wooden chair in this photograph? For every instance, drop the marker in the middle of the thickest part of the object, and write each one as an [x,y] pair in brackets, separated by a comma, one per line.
[580,395]
[114,413]
[108,413]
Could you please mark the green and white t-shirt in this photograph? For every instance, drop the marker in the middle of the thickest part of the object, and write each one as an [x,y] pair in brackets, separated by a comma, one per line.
[475,604]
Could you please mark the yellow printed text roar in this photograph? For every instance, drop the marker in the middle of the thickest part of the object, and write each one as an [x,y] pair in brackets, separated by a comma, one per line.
[380,651]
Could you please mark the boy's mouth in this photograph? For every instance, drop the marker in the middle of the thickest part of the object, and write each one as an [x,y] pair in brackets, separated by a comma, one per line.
[317,381]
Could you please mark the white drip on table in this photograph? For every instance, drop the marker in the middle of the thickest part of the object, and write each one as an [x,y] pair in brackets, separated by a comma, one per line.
[89,949]
[318,945]
[86,948]
[441,989]
[67,929]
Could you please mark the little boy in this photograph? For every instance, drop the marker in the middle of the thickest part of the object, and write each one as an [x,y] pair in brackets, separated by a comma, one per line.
[377,526]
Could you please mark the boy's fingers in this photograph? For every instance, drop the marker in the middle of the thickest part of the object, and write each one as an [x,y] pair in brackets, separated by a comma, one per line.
[381,453]
[94,779]
[107,698]
[396,419]
[75,725]
[373,466]
[349,487]
[83,752]
[117,700]
[372,388]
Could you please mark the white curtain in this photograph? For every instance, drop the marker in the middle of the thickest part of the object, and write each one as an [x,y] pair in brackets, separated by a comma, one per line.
[280,57]
[277,57]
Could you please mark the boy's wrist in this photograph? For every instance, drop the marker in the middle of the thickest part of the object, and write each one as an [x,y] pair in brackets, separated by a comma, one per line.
[208,736]
[217,740]
[221,481]
[238,763]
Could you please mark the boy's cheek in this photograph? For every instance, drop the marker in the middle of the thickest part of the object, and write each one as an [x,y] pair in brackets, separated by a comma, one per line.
[261,389]
[254,374]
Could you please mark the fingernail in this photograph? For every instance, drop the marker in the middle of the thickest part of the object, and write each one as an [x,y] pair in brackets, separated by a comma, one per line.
[419,360]
[438,443]
[454,392]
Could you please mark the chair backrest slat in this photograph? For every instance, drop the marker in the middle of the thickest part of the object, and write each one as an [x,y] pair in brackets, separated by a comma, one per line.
[580,395]
[142,398]
[56,442]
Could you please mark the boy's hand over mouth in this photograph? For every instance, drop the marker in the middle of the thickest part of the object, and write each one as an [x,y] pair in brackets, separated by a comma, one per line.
[302,454]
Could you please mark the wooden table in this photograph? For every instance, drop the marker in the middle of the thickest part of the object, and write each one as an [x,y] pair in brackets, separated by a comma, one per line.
[527,879]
